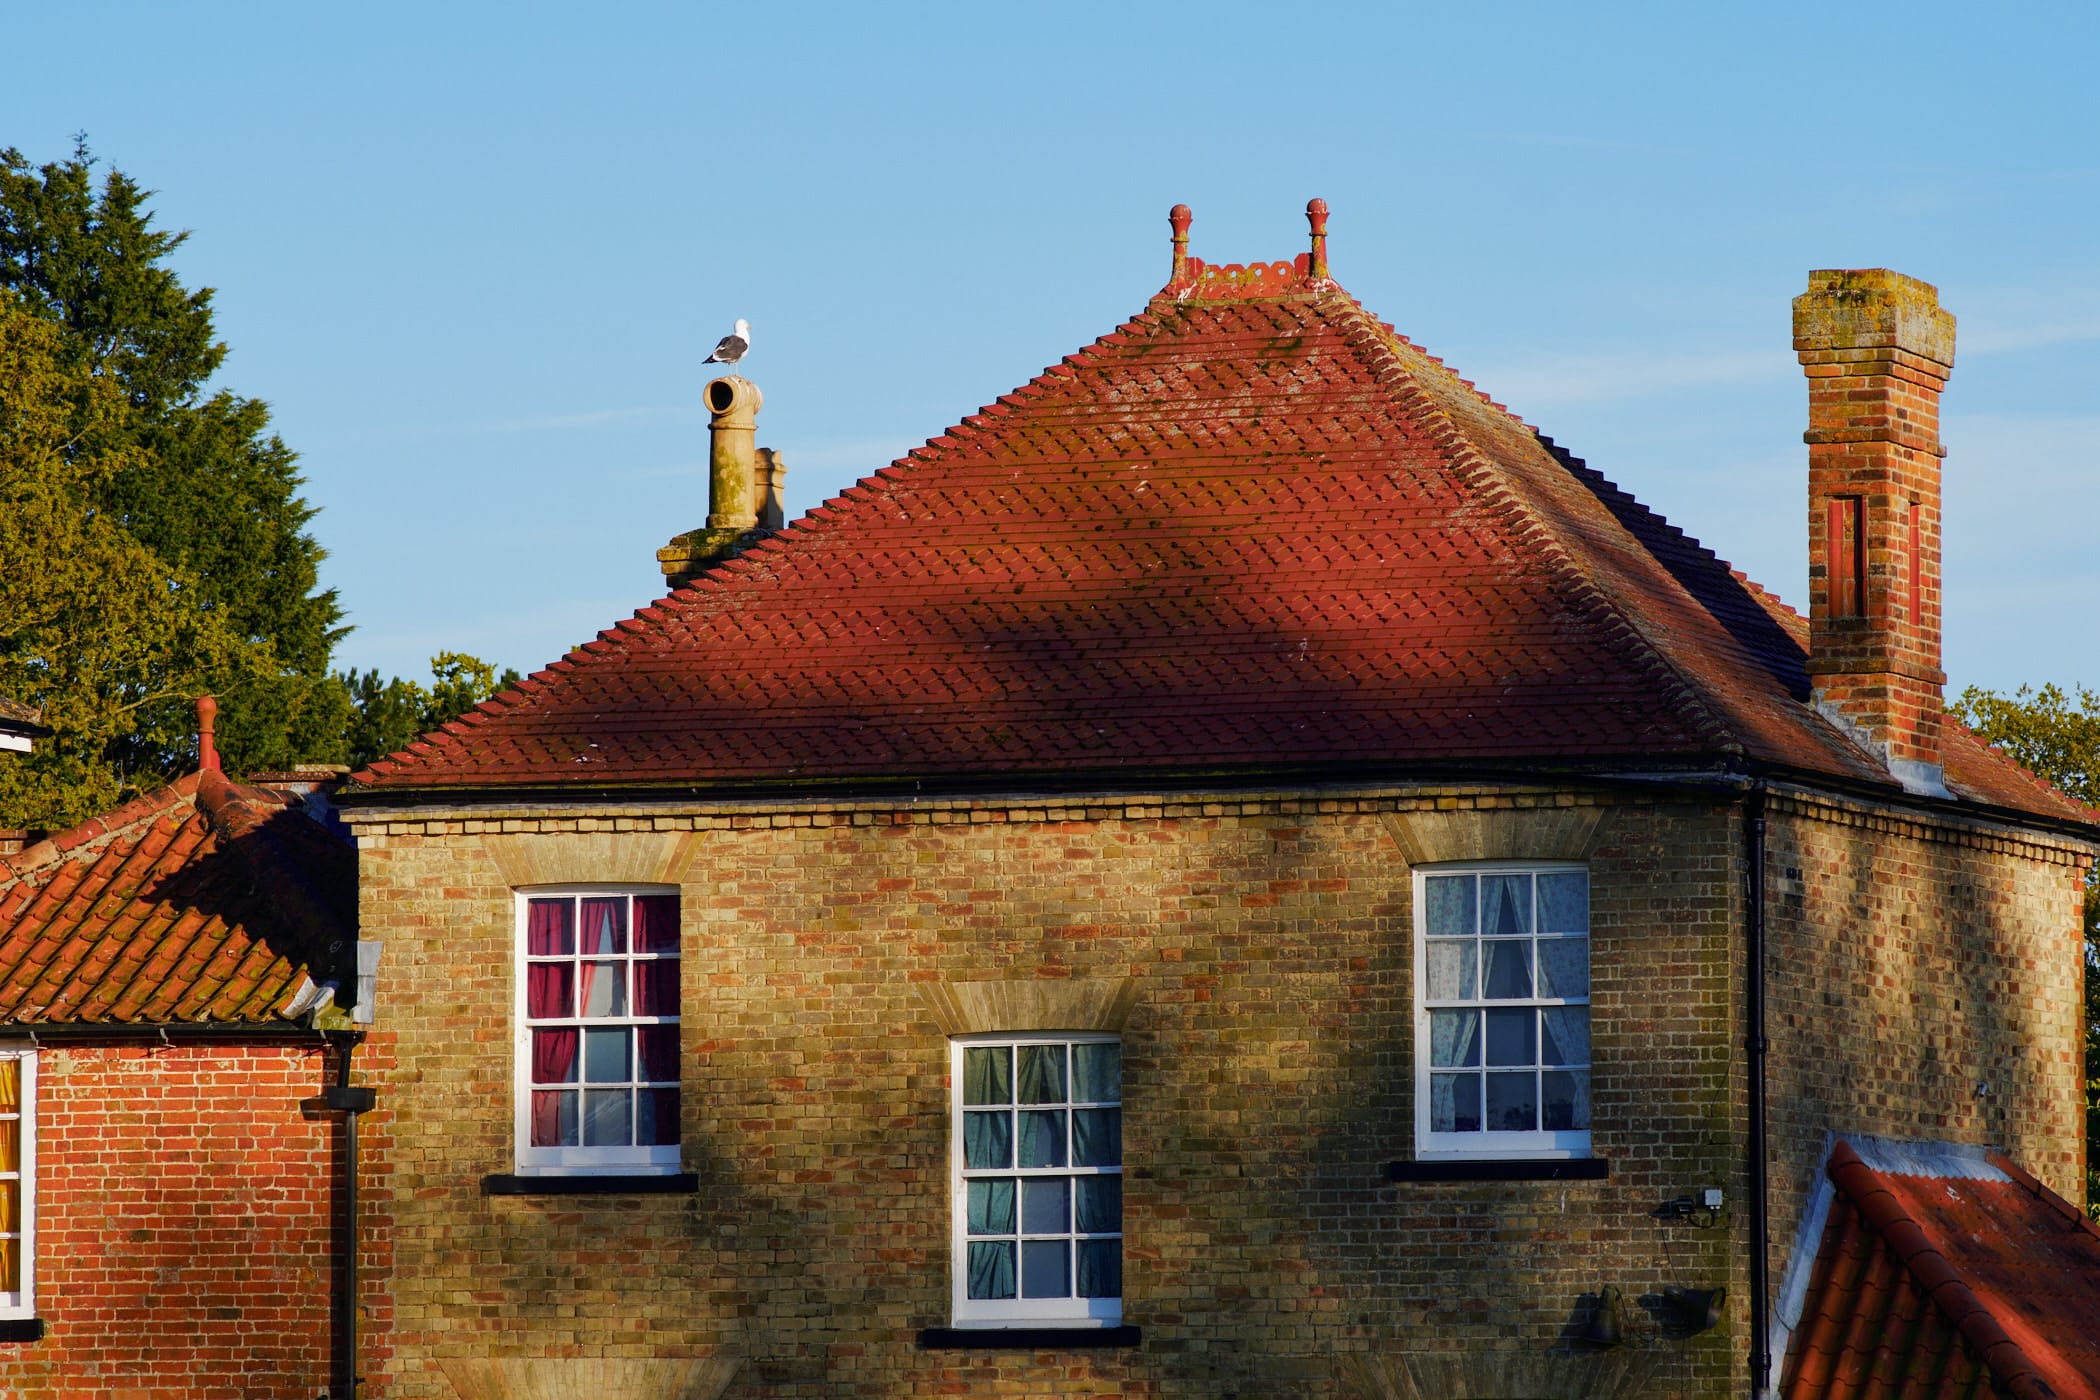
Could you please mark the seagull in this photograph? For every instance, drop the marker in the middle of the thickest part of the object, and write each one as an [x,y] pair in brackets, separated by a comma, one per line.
[732,347]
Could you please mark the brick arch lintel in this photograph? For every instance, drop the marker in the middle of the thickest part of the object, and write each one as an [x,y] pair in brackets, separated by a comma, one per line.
[590,857]
[1041,1004]
[1621,1374]
[1506,833]
[589,1377]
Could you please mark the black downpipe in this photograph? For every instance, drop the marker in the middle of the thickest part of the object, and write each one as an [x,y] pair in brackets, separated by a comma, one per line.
[350,1102]
[1760,1222]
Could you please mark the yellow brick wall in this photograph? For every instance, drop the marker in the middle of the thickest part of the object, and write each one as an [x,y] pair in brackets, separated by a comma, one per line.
[1269,1078]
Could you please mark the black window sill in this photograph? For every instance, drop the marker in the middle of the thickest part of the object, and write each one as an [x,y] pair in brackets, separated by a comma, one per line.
[1026,1338]
[640,1184]
[22,1329]
[1507,1169]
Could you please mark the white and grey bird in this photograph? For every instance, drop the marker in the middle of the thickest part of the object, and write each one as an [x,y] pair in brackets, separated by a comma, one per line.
[732,347]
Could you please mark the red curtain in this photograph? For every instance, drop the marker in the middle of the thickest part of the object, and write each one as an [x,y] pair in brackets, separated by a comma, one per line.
[548,931]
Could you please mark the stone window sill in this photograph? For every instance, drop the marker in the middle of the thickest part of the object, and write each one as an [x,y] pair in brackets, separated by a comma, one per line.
[21,1329]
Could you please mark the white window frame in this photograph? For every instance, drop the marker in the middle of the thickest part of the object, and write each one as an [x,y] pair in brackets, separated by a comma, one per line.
[1486,1144]
[639,1160]
[968,1312]
[21,1303]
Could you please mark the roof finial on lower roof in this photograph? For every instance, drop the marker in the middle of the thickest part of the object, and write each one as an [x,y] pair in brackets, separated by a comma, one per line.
[1179,216]
[207,746]
[1316,215]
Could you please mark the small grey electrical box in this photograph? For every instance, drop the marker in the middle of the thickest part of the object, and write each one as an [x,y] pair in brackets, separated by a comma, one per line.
[1711,1198]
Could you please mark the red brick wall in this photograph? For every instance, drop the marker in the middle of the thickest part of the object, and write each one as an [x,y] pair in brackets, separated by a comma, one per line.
[183,1226]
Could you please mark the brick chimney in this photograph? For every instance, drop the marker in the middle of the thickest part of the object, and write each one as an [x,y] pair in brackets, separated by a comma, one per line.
[1877,349]
[744,484]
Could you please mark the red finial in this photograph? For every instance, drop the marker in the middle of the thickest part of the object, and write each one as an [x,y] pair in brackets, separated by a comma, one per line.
[1179,216]
[1316,215]
[207,750]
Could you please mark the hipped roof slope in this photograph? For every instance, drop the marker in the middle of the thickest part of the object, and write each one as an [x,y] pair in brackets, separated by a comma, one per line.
[204,902]
[1252,531]
[1959,1282]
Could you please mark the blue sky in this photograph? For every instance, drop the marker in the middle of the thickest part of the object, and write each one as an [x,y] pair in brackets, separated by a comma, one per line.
[473,255]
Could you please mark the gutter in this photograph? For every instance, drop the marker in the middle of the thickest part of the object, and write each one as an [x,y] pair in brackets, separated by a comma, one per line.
[174,1033]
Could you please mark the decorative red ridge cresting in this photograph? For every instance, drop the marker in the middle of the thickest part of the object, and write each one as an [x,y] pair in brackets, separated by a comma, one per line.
[1192,279]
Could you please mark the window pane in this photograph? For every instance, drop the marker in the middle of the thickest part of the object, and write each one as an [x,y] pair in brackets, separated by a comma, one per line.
[1512,1103]
[1448,905]
[1567,1106]
[1454,1103]
[1512,1037]
[1043,1139]
[605,1055]
[605,925]
[659,1053]
[1505,904]
[608,1118]
[11,1207]
[1100,1204]
[1046,1269]
[1097,1137]
[987,1141]
[1100,1268]
[547,988]
[656,923]
[1565,1036]
[1046,1206]
[1451,973]
[11,1266]
[1097,1073]
[553,1118]
[10,1145]
[992,1207]
[1564,967]
[992,1269]
[656,1117]
[605,989]
[656,987]
[1564,902]
[1042,1074]
[549,929]
[1508,967]
[554,1056]
[985,1074]
[1454,1038]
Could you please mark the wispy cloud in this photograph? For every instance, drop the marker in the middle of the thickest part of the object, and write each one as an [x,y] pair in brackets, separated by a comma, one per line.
[488,427]
[1611,376]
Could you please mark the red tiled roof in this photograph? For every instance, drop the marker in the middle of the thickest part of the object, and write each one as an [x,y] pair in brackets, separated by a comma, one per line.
[1253,529]
[203,902]
[1977,1284]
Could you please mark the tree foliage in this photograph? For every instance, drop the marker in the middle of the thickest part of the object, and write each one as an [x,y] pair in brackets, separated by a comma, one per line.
[2057,736]
[95,628]
[192,476]
[388,715]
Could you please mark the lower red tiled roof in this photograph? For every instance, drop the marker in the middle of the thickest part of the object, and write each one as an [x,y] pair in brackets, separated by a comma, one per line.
[1948,1283]
[203,902]
[1243,532]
